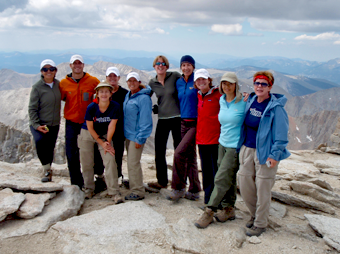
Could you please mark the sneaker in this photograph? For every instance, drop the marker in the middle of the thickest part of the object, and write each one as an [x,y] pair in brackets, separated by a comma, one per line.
[192,196]
[47,177]
[227,213]
[117,199]
[255,231]
[133,197]
[89,193]
[156,185]
[206,218]
[175,195]
[250,223]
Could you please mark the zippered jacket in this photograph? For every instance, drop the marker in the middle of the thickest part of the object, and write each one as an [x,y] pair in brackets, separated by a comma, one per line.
[187,95]
[77,96]
[44,104]
[272,133]
[208,126]
[138,115]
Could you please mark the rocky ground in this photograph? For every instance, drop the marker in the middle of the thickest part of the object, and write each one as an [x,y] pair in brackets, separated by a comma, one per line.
[303,218]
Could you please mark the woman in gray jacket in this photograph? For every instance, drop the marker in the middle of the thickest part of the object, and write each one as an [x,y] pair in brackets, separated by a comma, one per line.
[44,115]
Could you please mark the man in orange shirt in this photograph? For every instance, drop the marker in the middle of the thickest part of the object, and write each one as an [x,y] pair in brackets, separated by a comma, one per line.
[77,90]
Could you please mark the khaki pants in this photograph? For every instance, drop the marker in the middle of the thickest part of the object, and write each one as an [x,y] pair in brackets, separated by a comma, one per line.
[134,168]
[256,181]
[86,149]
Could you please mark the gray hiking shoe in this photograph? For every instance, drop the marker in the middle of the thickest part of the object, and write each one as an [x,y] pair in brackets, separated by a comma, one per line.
[206,218]
[227,213]
[117,199]
[250,223]
[255,231]
[192,196]
[47,177]
[175,195]
[89,193]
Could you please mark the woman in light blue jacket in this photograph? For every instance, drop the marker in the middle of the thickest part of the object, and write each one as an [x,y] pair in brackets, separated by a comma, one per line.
[137,128]
[263,142]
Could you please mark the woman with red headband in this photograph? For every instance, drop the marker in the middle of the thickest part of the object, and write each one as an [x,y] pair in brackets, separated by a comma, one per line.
[263,142]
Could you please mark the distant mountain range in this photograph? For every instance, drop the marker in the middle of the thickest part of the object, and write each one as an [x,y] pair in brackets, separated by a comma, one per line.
[28,63]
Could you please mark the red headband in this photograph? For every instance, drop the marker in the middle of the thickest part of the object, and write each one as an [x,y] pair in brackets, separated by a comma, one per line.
[263,77]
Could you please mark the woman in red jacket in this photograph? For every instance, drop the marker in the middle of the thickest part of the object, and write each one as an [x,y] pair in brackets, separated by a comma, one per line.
[208,128]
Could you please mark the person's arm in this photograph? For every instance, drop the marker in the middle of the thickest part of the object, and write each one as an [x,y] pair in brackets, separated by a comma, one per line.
[280,129]
[111,129]
[145,121]
[33,111]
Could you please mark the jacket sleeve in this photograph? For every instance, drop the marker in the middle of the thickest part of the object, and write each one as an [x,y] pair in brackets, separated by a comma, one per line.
[279,133]
[145,120]
[33,108]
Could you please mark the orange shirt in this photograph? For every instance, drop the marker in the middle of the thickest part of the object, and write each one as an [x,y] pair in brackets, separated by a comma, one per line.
[77,96]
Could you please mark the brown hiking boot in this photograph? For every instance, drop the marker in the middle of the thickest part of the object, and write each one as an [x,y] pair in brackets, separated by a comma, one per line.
[156,185]
[117,199]
[227,213]
[206,218]
[255,231]
[250,223]
[47,177]
[89,193]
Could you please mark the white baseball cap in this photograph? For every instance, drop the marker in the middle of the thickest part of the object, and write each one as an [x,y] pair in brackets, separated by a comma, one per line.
[201,73]
[112,70]
[133,75]
[76,57]
[46,62]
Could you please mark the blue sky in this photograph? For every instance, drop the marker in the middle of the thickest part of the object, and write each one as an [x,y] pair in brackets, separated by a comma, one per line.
[306,29]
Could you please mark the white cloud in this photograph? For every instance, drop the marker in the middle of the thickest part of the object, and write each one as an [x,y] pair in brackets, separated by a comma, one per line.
[337,43]
[227,29]
[323,36]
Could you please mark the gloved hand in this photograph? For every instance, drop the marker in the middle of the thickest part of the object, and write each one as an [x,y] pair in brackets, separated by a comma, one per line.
[155,109]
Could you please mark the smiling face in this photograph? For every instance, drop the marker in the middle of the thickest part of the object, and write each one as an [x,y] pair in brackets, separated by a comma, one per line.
[48,75]
[203,85]
[104,94]
[229,88]
[113,80]
[133,85]
[160,69]
[262,91]
[77,67]
[187,69]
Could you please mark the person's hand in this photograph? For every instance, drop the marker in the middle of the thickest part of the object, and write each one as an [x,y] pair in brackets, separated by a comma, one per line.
[137,146]
[43,129]
[108,148]
[246,96]
[272,162]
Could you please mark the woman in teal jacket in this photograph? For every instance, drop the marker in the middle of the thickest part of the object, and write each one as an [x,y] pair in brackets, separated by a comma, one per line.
[137,128]
[263,142]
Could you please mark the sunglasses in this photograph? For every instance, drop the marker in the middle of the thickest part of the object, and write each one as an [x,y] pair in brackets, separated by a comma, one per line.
[159,63]
[50,68]
[262,84]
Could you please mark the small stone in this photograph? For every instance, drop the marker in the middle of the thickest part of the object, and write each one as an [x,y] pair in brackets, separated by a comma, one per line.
[254,240]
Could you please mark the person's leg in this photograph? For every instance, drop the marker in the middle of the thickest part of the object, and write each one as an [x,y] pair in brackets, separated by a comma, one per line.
[118,144]
[161,139]
[98,166]
[86,150]
[175,126]
[72,131]
[134,168]
[208,155]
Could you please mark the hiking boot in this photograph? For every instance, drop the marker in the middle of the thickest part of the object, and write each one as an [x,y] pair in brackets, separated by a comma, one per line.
[206,218]
[192,196]
[250,223]
[117,199]
[175,195]
[156,185]
[47,177]
[227,213]
[255,231]
[89,193]
[133,197]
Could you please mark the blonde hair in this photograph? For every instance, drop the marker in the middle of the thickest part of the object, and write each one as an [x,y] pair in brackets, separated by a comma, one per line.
[166,61]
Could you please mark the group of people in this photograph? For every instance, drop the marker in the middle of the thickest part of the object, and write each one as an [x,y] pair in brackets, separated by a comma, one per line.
[240,139]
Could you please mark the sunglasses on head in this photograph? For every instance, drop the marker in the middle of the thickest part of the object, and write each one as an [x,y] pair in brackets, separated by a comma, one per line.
[50,68]
[159,63]
[262,84]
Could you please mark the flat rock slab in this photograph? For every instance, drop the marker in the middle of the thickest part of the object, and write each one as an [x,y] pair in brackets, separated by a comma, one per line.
[328,227]
[23,182]
[65,205]
[33,205]
[9,202]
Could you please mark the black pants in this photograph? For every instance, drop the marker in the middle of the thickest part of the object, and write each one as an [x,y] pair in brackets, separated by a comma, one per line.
[164,126]
[45,143]
[209,156]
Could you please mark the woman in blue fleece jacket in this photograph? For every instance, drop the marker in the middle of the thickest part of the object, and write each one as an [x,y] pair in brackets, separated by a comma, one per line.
[263,142]
[137,128]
